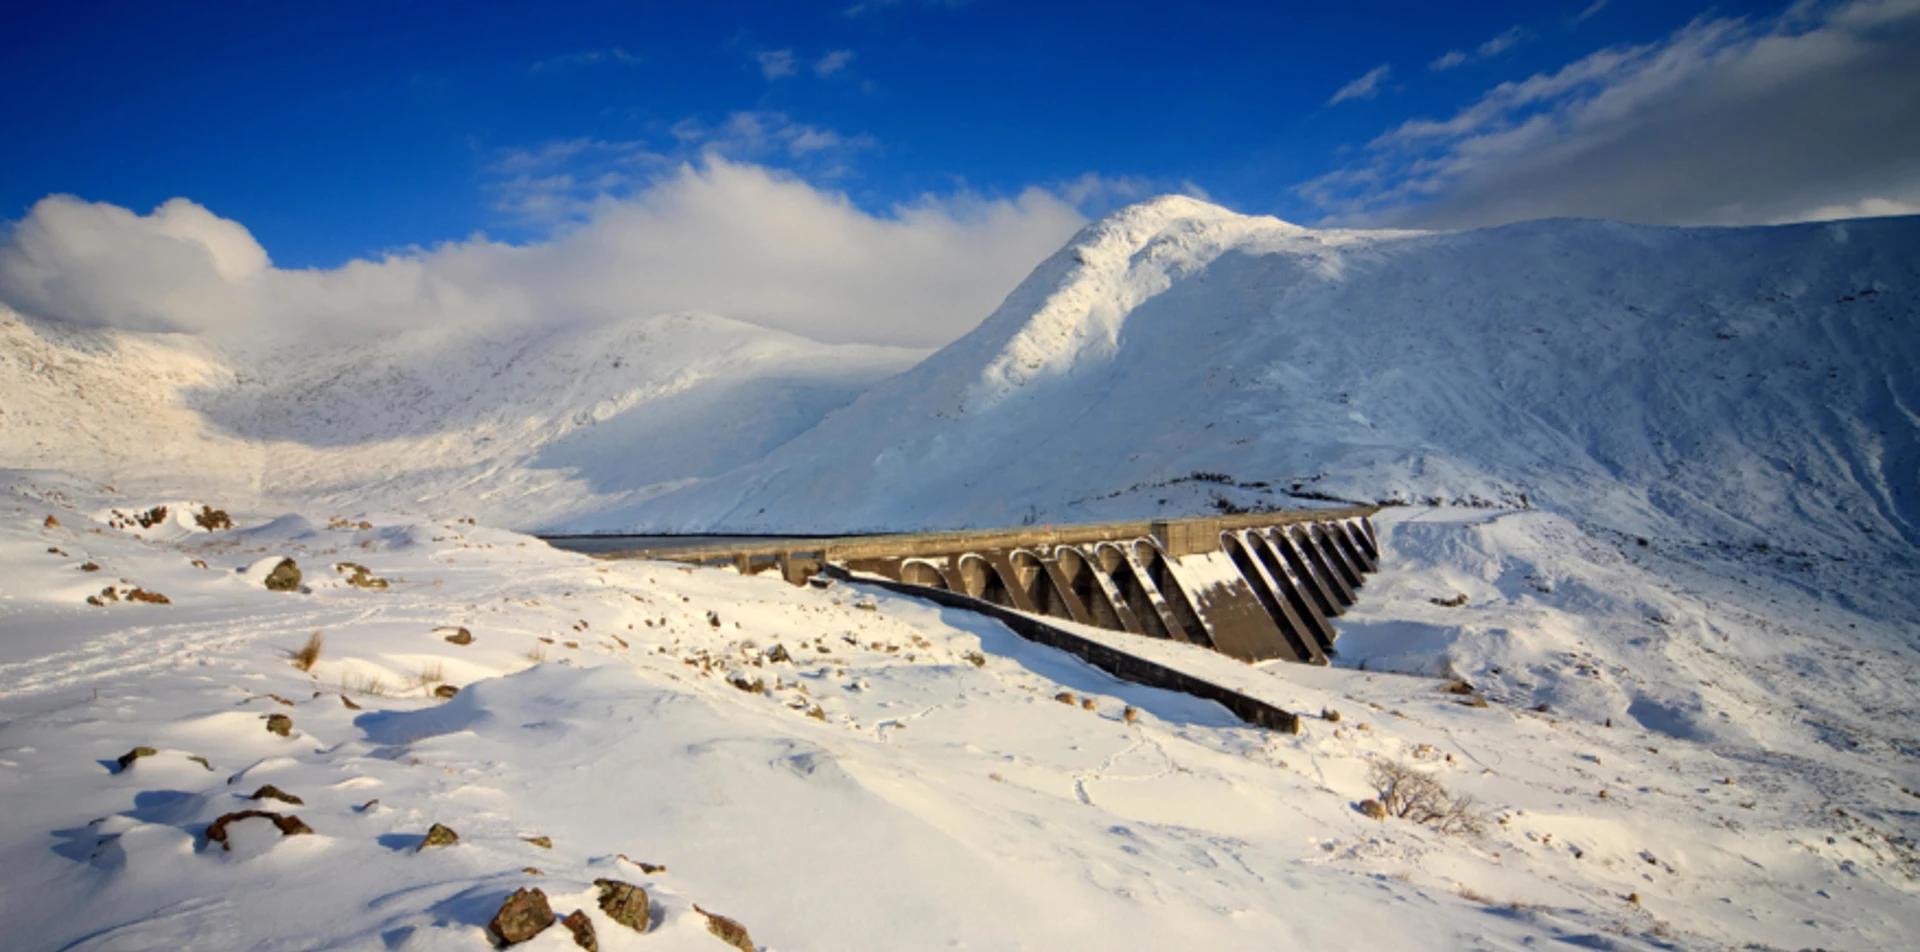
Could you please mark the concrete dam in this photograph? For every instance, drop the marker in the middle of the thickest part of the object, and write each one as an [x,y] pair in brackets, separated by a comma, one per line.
[1255,586]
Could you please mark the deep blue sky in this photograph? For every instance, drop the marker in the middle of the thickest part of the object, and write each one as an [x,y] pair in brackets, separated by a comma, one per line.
[336,130]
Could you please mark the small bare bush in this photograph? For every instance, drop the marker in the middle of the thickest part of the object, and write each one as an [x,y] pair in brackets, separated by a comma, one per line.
[537,654]
[1419,797]
[433,672]
[309,654]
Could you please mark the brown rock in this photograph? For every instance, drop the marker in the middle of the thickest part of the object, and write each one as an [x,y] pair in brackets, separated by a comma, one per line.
[445,691]
[151,598]
[460,636]
[51,523]
[727,930]
[439,835]
[289,825]
[127,759]
[1374,809]
[582,929]
[359,576]
[349,703]
[524,915]
[272,792]
[543,842]
[280,724]
[1330,715]
[1065,697]
[624,903]
[285,577]
[90,567]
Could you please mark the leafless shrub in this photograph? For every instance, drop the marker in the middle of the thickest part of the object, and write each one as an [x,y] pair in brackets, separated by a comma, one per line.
[1419,797]
[433,672]
[537,654]
[309,654]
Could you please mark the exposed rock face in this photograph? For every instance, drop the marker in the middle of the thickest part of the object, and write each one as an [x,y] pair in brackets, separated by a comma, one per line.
[285,577]
[524,915]
[288,824]
[582,929]
[127,759]
[624,903]
[275,793]
[779,653]
[280,724]
[438,835]
[727,930]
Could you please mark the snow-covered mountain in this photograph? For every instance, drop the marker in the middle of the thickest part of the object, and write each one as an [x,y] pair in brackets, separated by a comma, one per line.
[522,428]
[1751,384]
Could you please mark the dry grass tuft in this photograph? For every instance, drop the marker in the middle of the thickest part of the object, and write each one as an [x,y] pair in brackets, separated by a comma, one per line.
[537,654]
[351,683]
[433,672]
[309,654]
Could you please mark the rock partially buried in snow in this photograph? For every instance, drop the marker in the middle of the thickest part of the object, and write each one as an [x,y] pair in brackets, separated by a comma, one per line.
[1374,809]
[445,691]
[460,636]
[280,724]
[439,835]
[127,759]
[288,824]
[727,930]
[582,929]
[524,915]
[271,792]
[624,903]
[285,577]
[359,576]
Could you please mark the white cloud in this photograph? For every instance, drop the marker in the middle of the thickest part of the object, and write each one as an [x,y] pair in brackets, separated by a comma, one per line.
[776,64]
[1448,60]
[1366,87]
[1592,8]
[729,238]
[832,63]
[1726,121]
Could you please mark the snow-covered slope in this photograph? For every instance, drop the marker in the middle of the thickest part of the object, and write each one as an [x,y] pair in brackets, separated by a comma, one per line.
[1741,384]
[524,428]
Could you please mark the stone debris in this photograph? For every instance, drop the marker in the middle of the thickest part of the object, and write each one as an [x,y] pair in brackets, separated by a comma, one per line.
[624,903]
[288,824]
[440,835]
[582,929]
[460,636]
[280,724]
[524,915]
[727,930]
[275,793]
[127,759]
[285,577]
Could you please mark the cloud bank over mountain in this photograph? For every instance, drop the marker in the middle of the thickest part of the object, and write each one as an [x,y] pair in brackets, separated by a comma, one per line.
[717,236]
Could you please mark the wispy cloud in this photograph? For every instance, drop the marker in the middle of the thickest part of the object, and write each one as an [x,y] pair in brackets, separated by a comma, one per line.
[834,62]
[1726,120]
[1487,50]
[1366,87]
[776,64]
[1592,8]
[615,55]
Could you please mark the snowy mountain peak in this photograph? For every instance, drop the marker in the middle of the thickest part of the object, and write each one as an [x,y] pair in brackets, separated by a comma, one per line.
[1073,306]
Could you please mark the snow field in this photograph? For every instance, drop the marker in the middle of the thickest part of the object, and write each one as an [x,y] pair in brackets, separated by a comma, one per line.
[932,803]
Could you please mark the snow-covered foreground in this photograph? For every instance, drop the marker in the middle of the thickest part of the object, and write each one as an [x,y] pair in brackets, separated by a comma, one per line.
[881,790]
